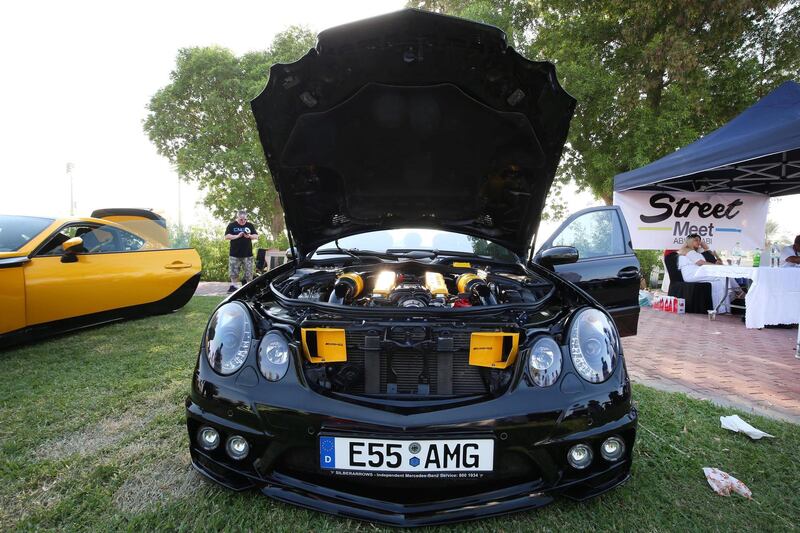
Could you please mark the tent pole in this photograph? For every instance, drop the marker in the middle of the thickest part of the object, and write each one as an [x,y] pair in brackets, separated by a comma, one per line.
[797,345]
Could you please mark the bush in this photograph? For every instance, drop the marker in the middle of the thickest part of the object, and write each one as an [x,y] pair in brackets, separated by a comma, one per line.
[213,248]
[647,260]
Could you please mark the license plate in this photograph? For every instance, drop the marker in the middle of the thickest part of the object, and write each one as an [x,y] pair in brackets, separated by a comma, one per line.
[377,455]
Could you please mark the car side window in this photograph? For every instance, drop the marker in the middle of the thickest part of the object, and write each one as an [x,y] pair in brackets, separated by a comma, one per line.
[97,239]
[593,234]
[54,245]
[128,241]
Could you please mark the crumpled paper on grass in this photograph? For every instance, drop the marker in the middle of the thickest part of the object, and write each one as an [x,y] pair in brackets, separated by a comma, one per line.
[734,423]
[724,484]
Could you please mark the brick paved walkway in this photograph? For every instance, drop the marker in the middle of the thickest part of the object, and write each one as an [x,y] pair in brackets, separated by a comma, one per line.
[213,288]
[721,360]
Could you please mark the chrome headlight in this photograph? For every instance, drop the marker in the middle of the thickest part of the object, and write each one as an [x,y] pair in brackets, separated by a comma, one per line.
[544,361]
[228,338]
[593,345]
[273,356]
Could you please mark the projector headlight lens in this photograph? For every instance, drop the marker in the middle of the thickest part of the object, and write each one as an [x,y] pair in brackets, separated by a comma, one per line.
[579,456]
[613,449]
[237,447]
[593,345]
[228,338]
[544,361]
[273,356]
[208,438]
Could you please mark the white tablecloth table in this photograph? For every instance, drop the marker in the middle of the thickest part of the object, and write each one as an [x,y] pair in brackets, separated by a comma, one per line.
[773,297]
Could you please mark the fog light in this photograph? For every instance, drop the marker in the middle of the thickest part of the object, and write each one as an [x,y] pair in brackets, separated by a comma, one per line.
[237,447]
[208,438]
[579,456]
[613,449]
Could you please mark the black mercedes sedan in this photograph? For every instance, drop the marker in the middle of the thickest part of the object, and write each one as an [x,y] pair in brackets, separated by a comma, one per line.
[416,362]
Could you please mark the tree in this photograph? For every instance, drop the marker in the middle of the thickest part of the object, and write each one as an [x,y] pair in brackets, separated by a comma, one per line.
[201,121]
[649,77]
[771,231]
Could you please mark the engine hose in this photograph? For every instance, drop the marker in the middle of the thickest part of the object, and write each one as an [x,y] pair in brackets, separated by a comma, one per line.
[347,287]
[472,283]
[485,294]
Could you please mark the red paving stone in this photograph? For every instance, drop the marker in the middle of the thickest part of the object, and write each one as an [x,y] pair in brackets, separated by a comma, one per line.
[720,360]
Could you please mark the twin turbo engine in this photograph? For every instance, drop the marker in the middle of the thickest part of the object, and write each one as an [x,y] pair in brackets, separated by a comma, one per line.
[428,289]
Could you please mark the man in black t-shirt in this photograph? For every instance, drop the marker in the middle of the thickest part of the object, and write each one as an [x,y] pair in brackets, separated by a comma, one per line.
[241,233]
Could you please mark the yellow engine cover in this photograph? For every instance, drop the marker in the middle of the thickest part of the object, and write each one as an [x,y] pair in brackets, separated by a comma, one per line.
[324,345]
[493,349]
[434,282]
[384,283]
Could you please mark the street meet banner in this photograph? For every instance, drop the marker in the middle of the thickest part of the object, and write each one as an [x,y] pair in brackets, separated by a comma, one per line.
[661,220]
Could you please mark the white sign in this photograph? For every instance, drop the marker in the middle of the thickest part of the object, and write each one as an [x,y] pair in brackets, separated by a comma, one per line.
[660,220]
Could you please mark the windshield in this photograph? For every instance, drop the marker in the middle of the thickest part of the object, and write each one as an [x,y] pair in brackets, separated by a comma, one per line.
[422,239]
[16,231]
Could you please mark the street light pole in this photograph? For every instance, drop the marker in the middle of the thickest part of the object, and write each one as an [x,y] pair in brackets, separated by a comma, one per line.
[180,217]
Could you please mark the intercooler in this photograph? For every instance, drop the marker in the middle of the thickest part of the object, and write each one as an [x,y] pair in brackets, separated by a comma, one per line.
[413,360]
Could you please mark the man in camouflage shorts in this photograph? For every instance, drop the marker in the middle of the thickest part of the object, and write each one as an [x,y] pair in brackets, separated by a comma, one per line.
[241,235]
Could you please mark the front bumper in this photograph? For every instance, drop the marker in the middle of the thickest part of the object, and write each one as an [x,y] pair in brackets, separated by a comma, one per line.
[530,454]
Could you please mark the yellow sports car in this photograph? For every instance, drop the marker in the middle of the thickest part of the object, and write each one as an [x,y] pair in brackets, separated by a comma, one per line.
[58,275]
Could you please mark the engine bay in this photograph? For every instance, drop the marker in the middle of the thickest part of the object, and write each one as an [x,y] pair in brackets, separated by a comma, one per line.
[392,355]
[413,284]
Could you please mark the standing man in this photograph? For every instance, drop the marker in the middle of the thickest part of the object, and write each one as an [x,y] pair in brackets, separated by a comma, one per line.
[241,233]
[790,255]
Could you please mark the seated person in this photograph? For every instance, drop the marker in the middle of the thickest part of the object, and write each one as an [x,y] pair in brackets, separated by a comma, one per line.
[790,255]
[689,262]
[711,256]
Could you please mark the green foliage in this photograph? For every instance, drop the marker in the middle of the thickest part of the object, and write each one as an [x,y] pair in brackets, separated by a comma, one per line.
[214,250]
[201,121]
[491,249]
[771,230]
[647,260]
[179,236]
[649,77]
[514,17]
[593,235]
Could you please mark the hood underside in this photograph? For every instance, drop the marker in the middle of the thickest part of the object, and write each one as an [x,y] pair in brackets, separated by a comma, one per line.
[413,119]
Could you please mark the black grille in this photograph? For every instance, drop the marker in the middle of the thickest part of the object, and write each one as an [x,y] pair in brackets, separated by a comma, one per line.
[409,363]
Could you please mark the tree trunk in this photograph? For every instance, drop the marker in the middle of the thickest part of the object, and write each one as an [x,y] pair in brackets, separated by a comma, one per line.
[277,223]
[655,88]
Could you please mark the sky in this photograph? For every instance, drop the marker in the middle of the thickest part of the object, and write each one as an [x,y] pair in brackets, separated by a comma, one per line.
[77,77]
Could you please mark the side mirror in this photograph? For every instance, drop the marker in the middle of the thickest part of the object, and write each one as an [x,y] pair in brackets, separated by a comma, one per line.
[558,255]
[71,246]
[291,253]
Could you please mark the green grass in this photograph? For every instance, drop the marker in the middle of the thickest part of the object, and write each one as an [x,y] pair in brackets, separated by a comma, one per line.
[92,437]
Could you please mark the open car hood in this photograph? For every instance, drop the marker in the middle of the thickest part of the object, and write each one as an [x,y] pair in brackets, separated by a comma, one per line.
[413,119]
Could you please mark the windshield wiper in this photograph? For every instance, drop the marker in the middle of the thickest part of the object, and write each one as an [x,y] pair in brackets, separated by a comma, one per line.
[348,252]
[437,253]
[356,253]
[411,253]
[408,253]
